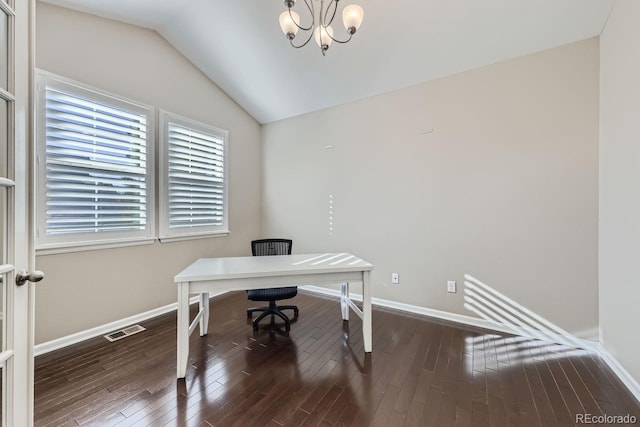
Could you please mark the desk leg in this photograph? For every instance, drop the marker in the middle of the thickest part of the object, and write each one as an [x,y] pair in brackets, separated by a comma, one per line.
[183,329]
[366,311]
[204,307]
[344,297]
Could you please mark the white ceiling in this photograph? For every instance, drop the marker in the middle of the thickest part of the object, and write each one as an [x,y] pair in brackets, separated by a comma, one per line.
[239,44]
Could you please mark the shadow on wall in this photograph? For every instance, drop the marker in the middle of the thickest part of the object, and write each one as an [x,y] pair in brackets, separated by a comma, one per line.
[495,307]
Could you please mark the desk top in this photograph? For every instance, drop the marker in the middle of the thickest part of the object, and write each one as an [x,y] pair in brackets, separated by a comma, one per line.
[264,266]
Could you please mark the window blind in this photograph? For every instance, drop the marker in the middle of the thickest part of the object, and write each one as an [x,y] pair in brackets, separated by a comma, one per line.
[96,166]
[195,177]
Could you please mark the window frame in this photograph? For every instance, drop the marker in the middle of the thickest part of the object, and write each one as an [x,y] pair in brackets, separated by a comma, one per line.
[46,244]
[166,234]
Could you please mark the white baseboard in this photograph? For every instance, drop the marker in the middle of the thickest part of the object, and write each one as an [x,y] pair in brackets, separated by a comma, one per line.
[587,344]
[78,337]
[620,371]
[444,315]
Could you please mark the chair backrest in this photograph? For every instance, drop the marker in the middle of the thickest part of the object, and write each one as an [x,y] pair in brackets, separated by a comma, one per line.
[271,247]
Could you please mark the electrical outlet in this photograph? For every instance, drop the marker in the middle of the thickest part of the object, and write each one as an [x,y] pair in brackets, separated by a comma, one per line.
[395,278]
[451,286]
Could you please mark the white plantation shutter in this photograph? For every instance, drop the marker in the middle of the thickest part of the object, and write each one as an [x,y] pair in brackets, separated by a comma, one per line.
[95,164]
[194,193]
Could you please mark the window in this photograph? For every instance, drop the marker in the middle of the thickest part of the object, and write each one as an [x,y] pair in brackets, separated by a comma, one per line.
[95,167]
[193,183]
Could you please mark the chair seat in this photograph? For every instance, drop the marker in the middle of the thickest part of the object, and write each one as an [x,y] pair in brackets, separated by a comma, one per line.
[272,293]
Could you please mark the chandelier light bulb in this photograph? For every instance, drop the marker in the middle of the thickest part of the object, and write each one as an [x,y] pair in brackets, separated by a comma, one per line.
[352,17]
[323,36]
[289,22]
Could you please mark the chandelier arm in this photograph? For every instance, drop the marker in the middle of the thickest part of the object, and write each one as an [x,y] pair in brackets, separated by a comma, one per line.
[299,27]
[335,9]
[340,41]
[303,44]
[309,6]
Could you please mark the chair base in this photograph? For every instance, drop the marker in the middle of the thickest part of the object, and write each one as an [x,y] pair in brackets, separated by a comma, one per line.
[273,310]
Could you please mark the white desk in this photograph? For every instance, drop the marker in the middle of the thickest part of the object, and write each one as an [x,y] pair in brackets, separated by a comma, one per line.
[239,273]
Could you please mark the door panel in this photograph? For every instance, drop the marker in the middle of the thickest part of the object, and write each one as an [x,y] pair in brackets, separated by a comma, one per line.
[16,324]
[4,217]
[4,50]
[5,269]
[4,152]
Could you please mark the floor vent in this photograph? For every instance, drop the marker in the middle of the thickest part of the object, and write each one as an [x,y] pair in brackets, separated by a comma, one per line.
[117,335]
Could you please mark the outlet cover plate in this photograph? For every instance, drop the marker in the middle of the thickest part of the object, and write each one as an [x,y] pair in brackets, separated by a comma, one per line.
[451,286]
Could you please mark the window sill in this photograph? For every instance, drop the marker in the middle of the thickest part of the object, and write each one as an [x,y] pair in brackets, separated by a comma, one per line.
[52,249]
[169,239]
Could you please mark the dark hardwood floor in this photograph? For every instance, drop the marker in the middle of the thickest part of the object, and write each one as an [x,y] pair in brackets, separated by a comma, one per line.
[422,372]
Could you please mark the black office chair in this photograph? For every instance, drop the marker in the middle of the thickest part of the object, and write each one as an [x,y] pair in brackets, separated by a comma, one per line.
[272,247]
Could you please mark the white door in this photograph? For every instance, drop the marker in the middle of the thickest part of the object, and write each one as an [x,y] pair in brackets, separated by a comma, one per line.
[16,249]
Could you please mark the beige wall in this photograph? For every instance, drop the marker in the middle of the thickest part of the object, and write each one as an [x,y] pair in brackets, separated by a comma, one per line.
[504,189]
[87,289]
[619,178]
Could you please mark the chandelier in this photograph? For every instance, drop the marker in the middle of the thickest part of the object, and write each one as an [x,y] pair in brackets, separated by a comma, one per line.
[321,19]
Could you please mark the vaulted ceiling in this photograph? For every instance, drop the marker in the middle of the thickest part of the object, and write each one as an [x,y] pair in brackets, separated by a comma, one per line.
[239,44]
